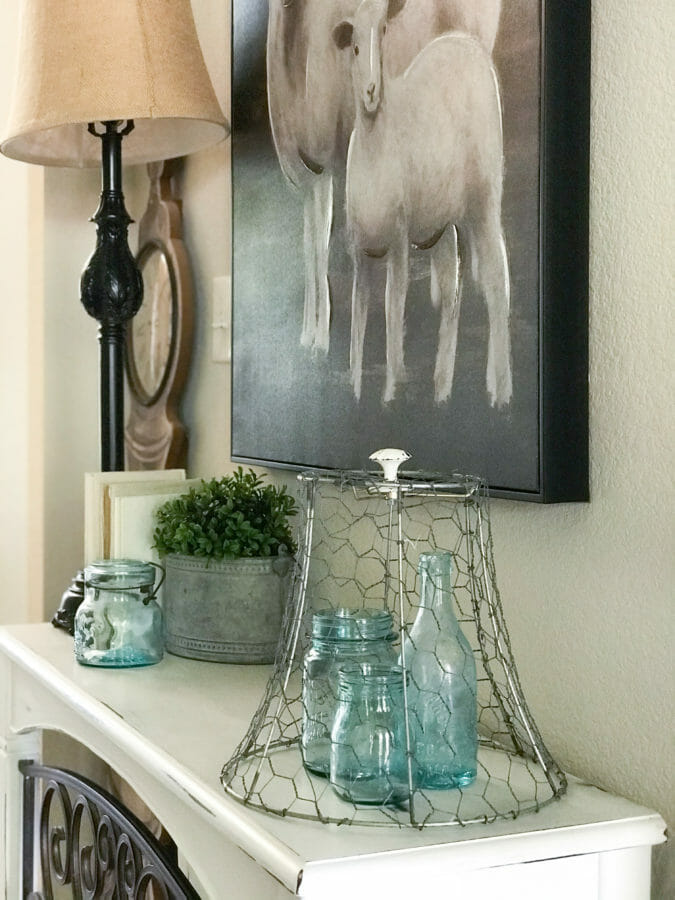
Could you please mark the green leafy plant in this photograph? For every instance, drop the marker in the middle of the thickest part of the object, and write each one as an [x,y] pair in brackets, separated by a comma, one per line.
[234,516]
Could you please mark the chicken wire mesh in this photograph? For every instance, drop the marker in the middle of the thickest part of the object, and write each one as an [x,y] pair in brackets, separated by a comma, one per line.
[360,541]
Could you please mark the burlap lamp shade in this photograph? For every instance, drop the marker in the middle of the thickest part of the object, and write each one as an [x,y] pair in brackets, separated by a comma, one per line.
[82,61]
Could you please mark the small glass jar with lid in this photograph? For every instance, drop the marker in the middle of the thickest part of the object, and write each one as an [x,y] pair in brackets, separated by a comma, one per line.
[119,623]
[372,758]
[338,636]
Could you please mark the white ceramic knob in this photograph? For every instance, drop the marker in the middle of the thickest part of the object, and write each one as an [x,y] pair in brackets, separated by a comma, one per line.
[390,459]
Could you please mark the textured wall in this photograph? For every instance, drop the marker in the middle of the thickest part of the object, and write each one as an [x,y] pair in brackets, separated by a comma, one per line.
[20,363]
[588,590]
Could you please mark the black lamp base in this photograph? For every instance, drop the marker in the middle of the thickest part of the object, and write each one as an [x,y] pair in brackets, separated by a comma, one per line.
[111,289]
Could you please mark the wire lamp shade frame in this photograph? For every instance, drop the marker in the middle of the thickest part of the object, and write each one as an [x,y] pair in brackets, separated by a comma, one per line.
[361,536]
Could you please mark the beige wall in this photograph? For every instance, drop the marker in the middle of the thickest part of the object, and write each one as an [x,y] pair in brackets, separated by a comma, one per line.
[21,442]
[587,589]
[206,208]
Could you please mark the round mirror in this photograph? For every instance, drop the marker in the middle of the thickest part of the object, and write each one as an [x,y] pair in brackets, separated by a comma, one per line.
[151,332]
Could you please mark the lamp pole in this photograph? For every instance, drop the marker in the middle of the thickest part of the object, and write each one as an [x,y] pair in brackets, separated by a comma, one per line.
[111,290]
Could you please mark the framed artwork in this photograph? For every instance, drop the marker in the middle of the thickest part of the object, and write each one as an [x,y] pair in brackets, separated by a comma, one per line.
[410,237]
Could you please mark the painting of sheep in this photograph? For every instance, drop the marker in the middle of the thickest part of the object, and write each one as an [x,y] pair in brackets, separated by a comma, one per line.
[312,111]
[391,233]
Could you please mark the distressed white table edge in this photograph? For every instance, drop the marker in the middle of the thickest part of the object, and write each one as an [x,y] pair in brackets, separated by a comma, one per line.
[168,729]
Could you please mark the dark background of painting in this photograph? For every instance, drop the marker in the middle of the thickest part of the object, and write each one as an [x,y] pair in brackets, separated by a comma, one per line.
[292,406]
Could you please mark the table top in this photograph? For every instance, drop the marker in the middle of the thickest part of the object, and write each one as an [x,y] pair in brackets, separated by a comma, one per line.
[183,719]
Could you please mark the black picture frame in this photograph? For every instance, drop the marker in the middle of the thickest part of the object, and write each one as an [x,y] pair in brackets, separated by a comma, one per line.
[281,419]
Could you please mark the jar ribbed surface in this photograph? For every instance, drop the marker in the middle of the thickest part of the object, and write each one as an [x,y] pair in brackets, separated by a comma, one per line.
[119,573]
[345,624]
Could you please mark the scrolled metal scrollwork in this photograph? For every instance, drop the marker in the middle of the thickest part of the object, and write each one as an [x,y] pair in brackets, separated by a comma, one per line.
[89,841]
[54,836]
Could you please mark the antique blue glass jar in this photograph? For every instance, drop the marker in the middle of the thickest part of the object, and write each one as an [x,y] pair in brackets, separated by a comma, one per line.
[338,636]
[442,696]
[119,623]
[372,750]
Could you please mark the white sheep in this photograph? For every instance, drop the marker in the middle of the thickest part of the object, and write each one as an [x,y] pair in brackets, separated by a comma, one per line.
[425,163]
[312,112]
[420,21]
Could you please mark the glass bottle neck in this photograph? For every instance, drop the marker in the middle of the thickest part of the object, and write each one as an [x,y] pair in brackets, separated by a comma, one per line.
[435,585]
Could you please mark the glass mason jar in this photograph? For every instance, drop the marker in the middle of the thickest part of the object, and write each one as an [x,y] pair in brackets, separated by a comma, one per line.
[369,761]
[338,636]
[119,623]
[442,697]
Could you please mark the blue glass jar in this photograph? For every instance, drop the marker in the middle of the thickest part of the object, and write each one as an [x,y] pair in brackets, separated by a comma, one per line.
[372,752]
[119,623]
[338,636]
[442,696]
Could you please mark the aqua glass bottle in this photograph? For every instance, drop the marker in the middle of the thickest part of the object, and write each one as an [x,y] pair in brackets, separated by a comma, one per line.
[442,697]
[369,760]
[338,636]
[119,624]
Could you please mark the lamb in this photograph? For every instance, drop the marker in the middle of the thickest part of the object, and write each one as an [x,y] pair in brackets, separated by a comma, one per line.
[424,169]
[312,112]
[420,21]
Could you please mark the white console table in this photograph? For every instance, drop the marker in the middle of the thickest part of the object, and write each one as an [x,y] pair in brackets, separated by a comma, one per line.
[169,728]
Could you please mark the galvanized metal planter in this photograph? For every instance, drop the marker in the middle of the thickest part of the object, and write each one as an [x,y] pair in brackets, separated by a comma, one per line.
[225,610]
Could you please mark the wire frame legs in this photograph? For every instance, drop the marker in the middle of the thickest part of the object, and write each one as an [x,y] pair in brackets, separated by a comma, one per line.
[360,546]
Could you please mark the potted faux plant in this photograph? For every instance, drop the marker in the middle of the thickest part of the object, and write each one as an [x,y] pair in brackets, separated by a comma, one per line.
[228,547]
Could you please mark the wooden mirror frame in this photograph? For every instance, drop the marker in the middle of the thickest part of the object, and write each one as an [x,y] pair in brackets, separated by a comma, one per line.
[155,437]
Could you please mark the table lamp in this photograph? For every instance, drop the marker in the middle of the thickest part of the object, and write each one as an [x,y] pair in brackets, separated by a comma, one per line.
[91,75]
